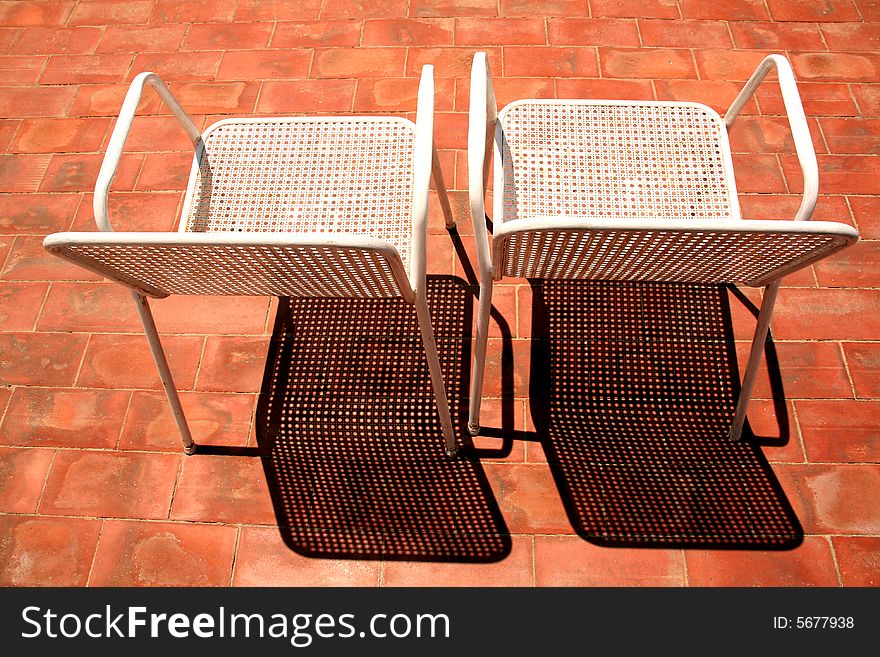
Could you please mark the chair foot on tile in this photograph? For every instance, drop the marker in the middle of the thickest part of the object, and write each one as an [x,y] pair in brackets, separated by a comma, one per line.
[189,451]
[473,429]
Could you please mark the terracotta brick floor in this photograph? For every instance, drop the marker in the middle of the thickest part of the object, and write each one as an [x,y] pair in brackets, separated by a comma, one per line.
[94,488]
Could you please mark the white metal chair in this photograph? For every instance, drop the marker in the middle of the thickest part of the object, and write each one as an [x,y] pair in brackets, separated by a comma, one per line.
[631,191]
[304,206]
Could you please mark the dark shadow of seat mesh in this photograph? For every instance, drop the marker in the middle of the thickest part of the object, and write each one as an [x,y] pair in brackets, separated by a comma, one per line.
[351,437]
[633,391]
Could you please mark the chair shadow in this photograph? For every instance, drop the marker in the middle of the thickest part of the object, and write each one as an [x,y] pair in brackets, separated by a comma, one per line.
[350,437]
[633,388]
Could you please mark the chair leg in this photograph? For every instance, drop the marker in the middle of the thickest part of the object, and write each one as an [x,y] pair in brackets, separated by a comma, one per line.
[755,353]
[143,307]
[436,374]
[483,312]
[442,194]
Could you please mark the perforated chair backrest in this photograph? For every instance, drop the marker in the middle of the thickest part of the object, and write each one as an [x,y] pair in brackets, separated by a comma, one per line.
[159,264]
[751,252]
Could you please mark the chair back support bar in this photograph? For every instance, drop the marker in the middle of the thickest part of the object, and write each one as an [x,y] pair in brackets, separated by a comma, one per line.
[159,264]
[751,252]
[482,119]
[422,156]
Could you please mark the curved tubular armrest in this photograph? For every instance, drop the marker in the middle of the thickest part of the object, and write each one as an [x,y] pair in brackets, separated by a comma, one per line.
[482,115]
[120,134]
[423,158]
[796,119]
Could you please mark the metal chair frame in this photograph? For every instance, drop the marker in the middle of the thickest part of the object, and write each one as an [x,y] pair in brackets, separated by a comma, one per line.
[648,244]
[261,262]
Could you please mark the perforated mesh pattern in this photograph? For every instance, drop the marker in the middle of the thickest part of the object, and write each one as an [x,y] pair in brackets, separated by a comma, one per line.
[353,177]
[697,256]
[614,161]
[639,385]
[348,418]
[245,269]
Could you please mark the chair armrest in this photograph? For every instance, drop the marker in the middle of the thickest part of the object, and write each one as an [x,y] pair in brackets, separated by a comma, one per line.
[120,134]
[803,143]
[482,115]
[423,159]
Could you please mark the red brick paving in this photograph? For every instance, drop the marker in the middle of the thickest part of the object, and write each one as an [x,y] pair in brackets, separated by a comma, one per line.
[812,564]
[124,361]
[163,554]
[229,489]
[46,551]
[217,418]
[89,456]
[515,570]
[858,559]
[260,562]
[110,484]
[571,561]
[22,475]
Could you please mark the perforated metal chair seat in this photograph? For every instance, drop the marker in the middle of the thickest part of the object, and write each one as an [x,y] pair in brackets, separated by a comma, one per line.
[614,160]
[292,206]
[348,176]
[625,190]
